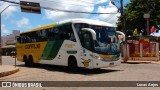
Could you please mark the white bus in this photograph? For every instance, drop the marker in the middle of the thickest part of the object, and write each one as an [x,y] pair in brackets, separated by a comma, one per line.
[74,43]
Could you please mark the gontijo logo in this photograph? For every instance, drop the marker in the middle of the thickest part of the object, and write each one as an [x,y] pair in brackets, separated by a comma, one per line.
[32,46]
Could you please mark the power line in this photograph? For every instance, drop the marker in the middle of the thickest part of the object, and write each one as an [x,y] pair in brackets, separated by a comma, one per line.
[70,11]
[111,17]
[50,1]
[60,10]
[10,1]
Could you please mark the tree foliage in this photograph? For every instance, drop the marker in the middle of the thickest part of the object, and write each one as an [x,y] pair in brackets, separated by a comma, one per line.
[134,12]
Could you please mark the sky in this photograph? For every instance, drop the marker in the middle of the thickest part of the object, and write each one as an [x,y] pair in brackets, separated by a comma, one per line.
[13,19]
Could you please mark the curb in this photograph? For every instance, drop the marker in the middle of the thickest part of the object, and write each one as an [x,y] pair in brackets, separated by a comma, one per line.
[155,62]
[2,74]
[142,62]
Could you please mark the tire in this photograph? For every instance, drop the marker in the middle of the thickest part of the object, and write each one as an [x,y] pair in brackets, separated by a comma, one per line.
[97,69]
[25,60]
[30,61]
[72,63]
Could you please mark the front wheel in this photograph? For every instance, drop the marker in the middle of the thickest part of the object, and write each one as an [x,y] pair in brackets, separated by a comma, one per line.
[72,63]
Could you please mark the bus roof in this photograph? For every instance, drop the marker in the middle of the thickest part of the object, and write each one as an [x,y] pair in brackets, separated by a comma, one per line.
[87,21]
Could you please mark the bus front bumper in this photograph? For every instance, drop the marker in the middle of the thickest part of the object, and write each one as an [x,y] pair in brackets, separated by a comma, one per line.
[105,63]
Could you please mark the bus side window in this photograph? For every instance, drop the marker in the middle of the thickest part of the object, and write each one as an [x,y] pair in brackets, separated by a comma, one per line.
[19,39]
[57,35]
[25,40]
[72,37]
[33,39]
[22,39]
[28,39]
[60,33]
[44,37]
[70,33]
[48,34]
[38,35]
[51,34]
[87,41]
[32,36]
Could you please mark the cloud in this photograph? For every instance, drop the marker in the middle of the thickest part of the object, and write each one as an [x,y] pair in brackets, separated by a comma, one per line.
[110,18]
[74,6]
[4,29]
[77,5]
[100,1]
[23,23]
[9,11]
[82,5]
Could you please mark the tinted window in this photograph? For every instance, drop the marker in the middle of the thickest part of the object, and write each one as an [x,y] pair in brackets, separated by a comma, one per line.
[63,32]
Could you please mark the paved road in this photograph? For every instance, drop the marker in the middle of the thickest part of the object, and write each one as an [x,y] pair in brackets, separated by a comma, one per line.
[124,72]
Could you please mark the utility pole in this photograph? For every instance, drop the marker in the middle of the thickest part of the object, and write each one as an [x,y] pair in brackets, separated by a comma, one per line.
[125,54]
[125,50]
[0,42]
[122,16]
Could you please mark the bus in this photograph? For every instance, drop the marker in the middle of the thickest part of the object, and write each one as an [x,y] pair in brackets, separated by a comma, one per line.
[74,43]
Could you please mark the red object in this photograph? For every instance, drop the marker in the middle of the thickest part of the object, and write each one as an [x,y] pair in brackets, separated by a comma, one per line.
[144,41]
[152,29]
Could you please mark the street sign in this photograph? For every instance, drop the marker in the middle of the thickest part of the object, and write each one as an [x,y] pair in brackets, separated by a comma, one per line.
[30,7]
[146,15]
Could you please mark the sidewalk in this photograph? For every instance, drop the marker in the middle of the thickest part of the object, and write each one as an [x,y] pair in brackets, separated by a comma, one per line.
[6,70]
[138,62]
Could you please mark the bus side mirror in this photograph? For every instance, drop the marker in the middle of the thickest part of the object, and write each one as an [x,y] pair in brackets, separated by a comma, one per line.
[121,35]
[91,31]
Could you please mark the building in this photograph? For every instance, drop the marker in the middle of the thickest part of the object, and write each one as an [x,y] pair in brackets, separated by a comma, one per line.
[8,43]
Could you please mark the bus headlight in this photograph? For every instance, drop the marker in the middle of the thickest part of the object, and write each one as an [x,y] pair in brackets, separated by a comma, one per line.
[96,57]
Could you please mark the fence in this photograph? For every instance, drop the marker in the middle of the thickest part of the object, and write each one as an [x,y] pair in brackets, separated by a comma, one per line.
[141,48]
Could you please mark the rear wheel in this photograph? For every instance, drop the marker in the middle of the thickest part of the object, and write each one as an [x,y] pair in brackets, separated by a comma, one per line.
[30,61]
[25,60]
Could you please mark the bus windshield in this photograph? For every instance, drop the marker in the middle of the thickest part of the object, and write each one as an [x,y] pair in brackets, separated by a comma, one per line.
[106,42]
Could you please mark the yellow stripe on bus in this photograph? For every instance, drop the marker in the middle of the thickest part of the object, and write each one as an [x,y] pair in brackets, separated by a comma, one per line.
[106,56]
[35,49]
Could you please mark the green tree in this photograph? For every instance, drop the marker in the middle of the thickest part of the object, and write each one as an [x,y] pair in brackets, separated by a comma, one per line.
[134,12]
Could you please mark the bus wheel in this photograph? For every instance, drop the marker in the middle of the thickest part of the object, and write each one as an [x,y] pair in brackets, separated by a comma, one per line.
[30,61]
[72,63]
[25,60]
